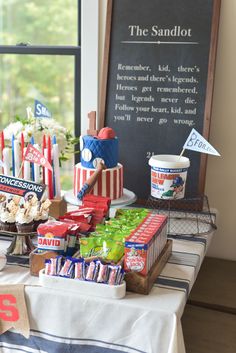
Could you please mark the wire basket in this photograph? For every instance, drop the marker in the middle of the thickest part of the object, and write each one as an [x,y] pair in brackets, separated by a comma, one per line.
[189,216]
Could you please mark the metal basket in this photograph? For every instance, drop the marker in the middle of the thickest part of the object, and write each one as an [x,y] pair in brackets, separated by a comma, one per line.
[188,216]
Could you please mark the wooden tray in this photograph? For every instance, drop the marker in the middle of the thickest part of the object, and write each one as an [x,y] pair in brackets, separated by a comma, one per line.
[57,208]
[138,283]
[83,287]
[37,260]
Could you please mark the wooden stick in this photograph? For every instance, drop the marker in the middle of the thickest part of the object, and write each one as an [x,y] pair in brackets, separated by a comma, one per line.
[20,170]
[181,154]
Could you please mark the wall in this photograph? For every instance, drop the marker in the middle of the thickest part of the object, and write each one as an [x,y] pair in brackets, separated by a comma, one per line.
[221,171]
[89,59]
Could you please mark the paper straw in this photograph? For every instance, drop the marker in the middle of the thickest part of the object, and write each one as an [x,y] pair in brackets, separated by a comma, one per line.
[26,167]
[45,153]
[49,172]
[6,159]
[2,141]
[32,164]
[17,157]
[56,168]
[2,147]
[13,155]
[36,168]
[43,149]
[22,151]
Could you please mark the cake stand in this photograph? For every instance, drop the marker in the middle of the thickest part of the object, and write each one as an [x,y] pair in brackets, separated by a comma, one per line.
[21,243]
[127,199]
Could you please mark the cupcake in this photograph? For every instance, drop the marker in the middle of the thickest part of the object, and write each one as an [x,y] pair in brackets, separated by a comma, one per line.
[9,209]
[2,200]
[2,206]
[8,220]
[24,220]
[41,213]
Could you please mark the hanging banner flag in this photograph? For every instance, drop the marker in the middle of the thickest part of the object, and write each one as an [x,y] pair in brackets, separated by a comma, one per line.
[196,142]
[35,156]
[40,110]
[13,310]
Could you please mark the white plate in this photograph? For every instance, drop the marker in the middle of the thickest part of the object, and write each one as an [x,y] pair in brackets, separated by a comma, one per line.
[128,198]
[82,287]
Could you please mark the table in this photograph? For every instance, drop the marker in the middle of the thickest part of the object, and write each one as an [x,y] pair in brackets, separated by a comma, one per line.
[64,322]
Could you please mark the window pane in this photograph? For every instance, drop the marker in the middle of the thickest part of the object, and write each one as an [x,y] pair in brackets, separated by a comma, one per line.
[39,22]
[49,79]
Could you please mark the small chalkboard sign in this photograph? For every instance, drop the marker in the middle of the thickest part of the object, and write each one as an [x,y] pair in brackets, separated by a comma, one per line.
[159,63]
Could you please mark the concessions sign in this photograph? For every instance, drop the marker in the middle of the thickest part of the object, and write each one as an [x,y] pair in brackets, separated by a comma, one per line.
[13,311]
[20,187]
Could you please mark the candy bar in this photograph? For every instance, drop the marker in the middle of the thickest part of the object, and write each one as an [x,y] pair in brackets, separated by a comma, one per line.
[113,274]
[67,268]
[90,271]
[79,269]
[102,273]
[48,267]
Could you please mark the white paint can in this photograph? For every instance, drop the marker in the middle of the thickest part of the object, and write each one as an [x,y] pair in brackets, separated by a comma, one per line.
[168,176]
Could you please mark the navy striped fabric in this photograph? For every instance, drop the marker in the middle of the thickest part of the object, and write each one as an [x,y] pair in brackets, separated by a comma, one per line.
[43,342]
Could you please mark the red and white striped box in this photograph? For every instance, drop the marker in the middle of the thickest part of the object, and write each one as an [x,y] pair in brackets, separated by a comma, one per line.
[109,184]
[145,243]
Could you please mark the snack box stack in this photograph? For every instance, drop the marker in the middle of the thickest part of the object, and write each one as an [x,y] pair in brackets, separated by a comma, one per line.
[63,236]
[145,244]
[95,208]
[108,240]
[97,202]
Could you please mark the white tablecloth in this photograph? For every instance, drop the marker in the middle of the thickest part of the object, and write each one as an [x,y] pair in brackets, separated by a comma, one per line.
[65,322]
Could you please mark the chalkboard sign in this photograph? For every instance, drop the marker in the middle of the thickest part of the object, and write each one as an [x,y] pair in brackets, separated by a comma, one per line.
[157,85]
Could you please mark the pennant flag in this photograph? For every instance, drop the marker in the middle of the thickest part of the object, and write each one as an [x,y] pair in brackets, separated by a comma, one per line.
[2,163]
[13,310]
[35,156]
[40,110]
[196,142]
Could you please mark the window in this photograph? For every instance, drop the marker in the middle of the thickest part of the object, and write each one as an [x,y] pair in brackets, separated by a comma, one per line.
[40,59]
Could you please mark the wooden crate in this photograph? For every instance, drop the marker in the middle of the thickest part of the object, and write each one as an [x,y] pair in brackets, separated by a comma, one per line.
[57,208]
[37,260]
[138,283]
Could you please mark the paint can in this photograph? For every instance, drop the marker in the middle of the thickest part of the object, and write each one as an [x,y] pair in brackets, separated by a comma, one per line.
[168,176]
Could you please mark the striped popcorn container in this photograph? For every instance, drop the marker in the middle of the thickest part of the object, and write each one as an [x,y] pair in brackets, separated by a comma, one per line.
[109,184]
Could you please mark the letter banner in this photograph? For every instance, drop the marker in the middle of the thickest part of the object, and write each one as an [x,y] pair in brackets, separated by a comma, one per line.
[35,156]
[196,142]
[20,187]
[13,310]
[40,110]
